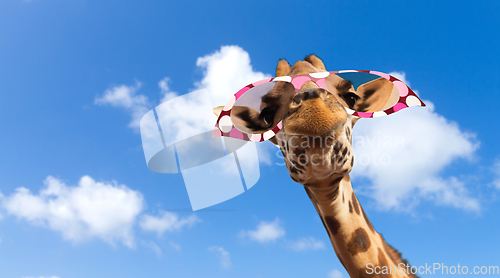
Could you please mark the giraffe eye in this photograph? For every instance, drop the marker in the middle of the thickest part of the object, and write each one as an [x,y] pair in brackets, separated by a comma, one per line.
[267,115]
[350,99]
[297,100]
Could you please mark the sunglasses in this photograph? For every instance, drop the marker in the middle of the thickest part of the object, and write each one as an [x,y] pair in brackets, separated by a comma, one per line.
[364,94]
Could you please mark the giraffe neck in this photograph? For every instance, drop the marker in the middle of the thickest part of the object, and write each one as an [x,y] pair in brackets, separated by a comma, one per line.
[358,246]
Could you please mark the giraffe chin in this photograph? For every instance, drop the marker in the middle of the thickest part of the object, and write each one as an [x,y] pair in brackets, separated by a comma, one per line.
[316,157]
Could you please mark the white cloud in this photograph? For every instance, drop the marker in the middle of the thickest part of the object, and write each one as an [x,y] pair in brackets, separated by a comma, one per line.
[403,155]
[166,93]
[103,210]
[225,72]
[222,255]
[307,243]
[126,97]
[167,221]
[266,232]
[185,116]
[335,274]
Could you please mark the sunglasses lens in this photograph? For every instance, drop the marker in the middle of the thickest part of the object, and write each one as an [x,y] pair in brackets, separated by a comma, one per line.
[250,114]
[364,92]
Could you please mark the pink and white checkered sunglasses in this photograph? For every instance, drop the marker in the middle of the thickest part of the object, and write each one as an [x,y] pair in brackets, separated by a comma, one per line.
[368,94]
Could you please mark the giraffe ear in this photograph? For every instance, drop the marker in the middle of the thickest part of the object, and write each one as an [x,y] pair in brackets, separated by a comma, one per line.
[249,120]
[217,110]
[376,95]
[262,107]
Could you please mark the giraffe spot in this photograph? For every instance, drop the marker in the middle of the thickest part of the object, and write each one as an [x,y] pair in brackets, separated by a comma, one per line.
[350,207]
[343,199]
[297,165]
[334,159]
[337,147]
[338,160]
[352,161]
[303,160]
[343,157]
[294,179]
[344,152]
[294,170]
[298,151]
[329,141]
[332,224]
[359,242]
[355,203]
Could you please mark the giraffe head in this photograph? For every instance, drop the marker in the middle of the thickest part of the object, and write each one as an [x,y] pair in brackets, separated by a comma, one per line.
[316,137]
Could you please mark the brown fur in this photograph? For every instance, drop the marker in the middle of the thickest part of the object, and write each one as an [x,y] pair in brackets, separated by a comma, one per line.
[314,118]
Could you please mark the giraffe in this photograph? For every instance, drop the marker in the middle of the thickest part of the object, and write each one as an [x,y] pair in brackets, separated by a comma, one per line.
[316,142]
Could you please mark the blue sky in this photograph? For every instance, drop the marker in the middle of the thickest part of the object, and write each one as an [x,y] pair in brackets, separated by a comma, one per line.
[76,196]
